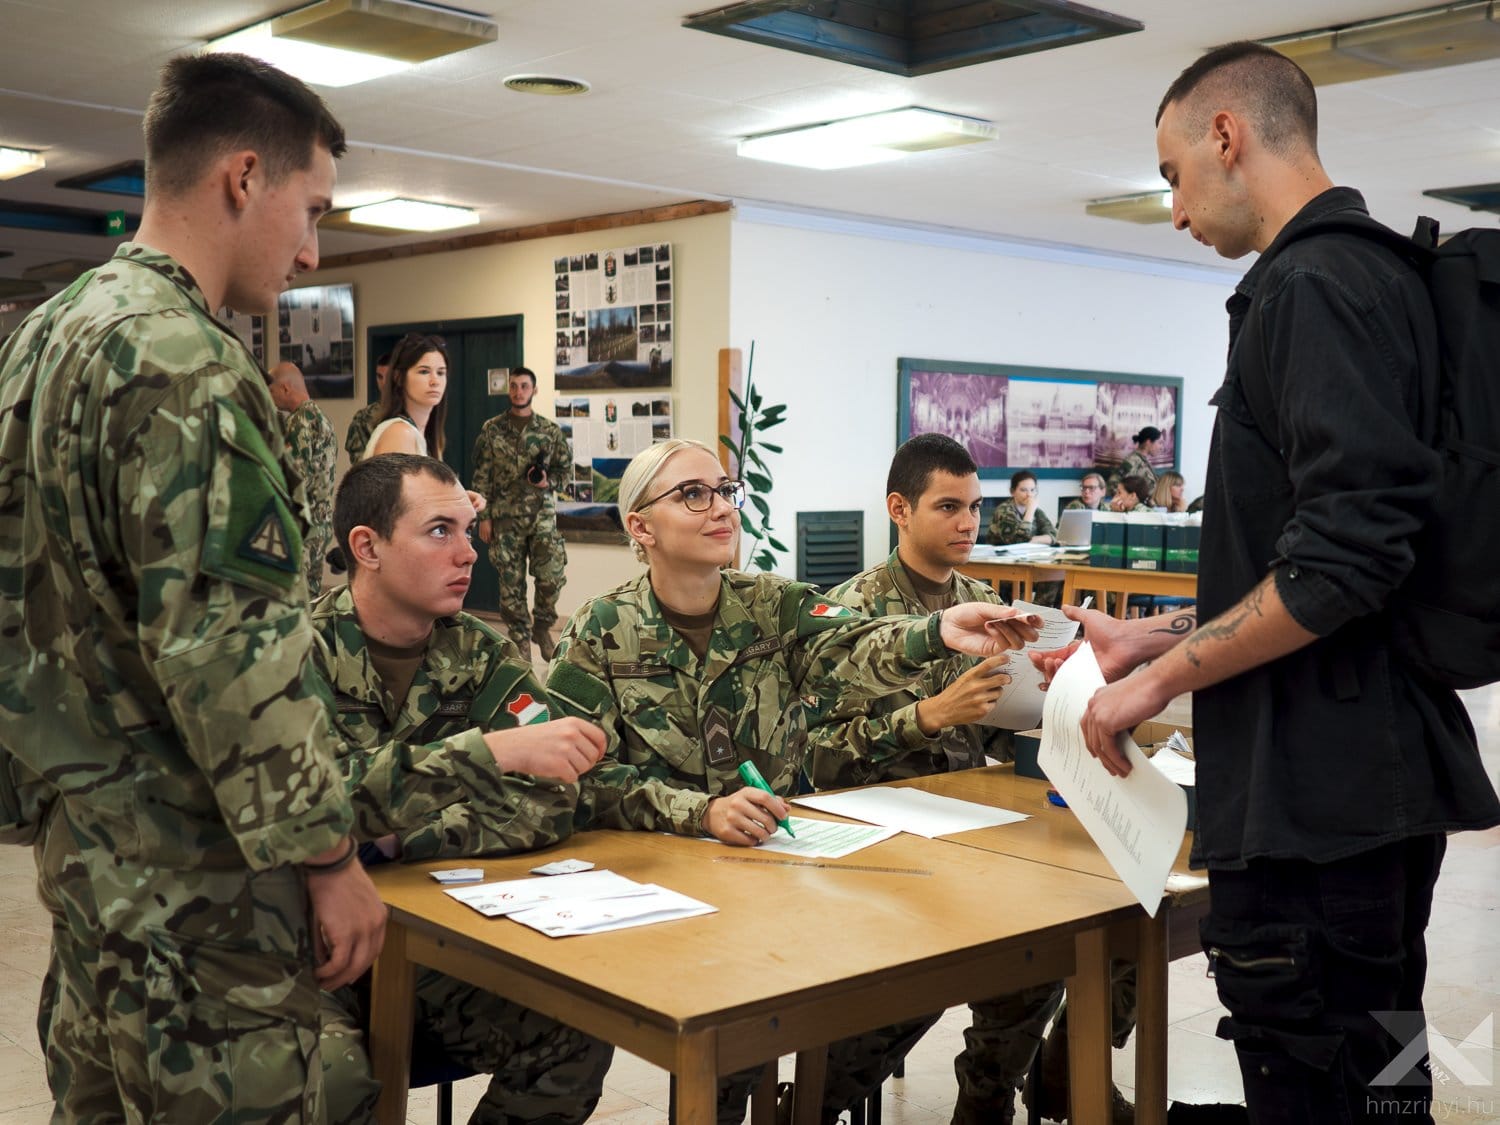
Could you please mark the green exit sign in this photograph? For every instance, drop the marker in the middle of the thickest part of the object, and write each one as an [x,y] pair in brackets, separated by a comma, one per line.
[114,223]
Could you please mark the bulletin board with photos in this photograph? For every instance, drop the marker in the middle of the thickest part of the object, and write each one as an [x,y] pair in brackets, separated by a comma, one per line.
[1057,422]
[605,432]
[614,327]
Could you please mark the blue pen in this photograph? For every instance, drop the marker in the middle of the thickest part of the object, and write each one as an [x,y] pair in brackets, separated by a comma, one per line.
[1056,798]
[751,777]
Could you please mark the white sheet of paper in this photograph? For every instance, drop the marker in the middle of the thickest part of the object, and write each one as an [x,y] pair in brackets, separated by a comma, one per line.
[1020,704]
[495,900]
[1138,821]
[825,839]
[1174,767]
[910,810]
[649,903]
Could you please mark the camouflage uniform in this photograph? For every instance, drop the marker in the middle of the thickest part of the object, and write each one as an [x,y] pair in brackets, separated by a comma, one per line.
[1134,465]
[1074,505]
[871,743]
[154,672]
[523,518]
[365,419]
[1007,526]
[446,799]
[312,451]
[677,729]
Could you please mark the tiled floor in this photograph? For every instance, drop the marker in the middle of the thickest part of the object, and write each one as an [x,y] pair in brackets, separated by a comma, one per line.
[1463,998]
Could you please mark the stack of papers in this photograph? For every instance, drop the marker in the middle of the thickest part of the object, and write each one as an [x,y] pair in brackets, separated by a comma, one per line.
[824,839]
[591,902]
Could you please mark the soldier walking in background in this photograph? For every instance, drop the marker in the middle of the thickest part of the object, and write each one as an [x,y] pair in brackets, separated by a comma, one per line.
[520,461]
[312,453]
[157,638]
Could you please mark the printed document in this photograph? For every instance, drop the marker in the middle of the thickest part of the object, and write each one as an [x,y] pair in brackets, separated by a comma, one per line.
[1138,821]
[824,839]
[1020,704]
[647,904]
[496,900]
[910,810]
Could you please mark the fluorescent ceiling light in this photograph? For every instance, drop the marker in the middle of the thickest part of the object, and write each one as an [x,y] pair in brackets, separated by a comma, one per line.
[341,42]
[1141,207]
[412,214]
[870,139]
[19,161]
[1419,40]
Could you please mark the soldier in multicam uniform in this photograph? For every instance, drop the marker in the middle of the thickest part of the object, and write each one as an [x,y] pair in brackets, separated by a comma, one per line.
[155,661]
[407,666]
[1137,462]
[367,417]
[520,461]
[1022,520]
[732,657]
[312,453]
[933,498]
[1094,493]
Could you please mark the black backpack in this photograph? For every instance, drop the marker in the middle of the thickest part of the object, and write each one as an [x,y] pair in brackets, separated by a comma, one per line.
[1447,614]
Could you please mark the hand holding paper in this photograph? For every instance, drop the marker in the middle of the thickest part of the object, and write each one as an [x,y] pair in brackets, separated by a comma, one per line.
[1020,707]
[1137,821]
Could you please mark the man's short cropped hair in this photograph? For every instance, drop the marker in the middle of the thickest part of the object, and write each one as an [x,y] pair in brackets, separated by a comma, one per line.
[1269,89]
[208,105]
[526,371]
[921,456]
[370,494]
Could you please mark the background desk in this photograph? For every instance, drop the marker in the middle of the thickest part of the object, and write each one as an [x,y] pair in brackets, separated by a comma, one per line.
[1078,580]
[794,959]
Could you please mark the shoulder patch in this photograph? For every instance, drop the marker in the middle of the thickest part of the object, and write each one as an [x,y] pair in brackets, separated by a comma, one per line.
[526,709]
[253,538]
[825,609]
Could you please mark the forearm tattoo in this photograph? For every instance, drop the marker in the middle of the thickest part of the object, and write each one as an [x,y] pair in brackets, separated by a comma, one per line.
[1226,626]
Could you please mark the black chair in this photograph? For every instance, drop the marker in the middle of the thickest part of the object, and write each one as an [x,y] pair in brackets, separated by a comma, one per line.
[431,1067]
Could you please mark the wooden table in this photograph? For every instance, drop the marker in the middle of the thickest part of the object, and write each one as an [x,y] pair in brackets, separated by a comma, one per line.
[1078,580]
[795,957]
[1054,836]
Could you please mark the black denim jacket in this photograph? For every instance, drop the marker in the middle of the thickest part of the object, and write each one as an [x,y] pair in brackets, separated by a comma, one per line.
[1320,471]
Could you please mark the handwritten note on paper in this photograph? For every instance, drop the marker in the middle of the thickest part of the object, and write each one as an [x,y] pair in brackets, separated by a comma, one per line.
[1138,821]
[1020,704]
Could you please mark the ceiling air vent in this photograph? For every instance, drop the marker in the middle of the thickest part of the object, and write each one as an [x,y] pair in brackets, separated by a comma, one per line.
[550,85]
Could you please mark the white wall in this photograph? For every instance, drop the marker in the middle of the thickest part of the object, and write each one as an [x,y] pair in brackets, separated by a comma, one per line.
[832,303]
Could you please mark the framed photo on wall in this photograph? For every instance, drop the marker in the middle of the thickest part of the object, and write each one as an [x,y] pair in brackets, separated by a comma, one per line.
[315,329]
[1056,422]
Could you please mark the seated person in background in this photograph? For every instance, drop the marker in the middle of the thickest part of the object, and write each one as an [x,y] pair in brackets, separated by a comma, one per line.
[312,453]
[407,669]
[414,400]
[931,726]
[692,669]
[1022,520]
[1130,494]
[367,417]
[1092,491]
[1167,496]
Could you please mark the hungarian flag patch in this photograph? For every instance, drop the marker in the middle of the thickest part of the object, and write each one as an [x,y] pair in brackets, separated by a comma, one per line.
[527,710]
[823,609]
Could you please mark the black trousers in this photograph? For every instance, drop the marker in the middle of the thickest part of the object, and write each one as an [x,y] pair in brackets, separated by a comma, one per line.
[1322,966]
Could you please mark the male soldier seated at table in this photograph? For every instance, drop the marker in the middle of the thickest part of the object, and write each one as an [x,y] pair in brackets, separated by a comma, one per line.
[408,668]
[932,727]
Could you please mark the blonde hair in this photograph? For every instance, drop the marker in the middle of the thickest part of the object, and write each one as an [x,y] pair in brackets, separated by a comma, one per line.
[1162,497]
[642,470]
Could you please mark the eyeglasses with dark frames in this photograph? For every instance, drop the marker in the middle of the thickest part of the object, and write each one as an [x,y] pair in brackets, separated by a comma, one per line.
[699,497]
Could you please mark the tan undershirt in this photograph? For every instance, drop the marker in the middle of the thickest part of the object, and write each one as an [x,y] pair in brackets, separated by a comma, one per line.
[397,667]
[696,629]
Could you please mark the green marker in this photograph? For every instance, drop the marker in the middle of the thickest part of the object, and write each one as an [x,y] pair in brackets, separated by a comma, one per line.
[751,776]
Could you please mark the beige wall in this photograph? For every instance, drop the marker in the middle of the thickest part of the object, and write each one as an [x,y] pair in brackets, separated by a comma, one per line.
[517,278]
